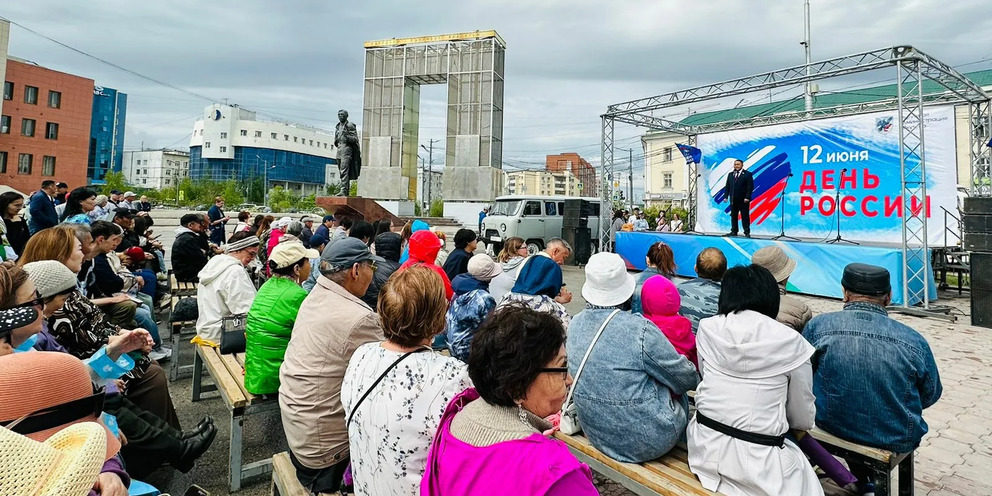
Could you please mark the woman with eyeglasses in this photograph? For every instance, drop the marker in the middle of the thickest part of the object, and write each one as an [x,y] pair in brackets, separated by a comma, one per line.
[495,439]
[225,288]
[513,254]
[395,391]
[660,260]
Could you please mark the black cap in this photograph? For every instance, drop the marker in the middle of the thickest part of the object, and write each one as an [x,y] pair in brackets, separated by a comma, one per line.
[864,279]
[115,191]
[126,212]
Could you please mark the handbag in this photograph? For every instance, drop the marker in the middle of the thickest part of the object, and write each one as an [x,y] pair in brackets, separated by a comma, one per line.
[232,338]
[569,414]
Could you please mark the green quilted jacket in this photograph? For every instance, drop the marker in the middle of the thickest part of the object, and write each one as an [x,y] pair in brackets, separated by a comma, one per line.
[270,322]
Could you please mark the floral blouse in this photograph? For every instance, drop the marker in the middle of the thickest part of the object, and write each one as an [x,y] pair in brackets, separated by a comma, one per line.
[392,429]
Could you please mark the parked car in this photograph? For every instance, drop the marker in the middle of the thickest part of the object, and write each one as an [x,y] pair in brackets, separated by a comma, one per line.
[534,218]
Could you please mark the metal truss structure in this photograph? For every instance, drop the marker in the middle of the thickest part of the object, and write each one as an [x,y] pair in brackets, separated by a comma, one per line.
[921,81]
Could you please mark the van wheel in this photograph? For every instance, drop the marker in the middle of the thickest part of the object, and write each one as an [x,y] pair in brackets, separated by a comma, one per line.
[534,246]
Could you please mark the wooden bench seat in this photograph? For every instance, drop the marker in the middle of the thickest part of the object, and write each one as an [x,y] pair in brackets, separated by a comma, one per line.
[284,481]
[668,475]
[227,372]
[882,462]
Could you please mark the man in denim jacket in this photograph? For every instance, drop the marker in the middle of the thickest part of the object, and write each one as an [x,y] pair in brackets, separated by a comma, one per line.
[872,376]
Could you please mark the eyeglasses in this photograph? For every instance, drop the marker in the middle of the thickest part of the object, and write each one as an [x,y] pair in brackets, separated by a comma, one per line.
[556,370]
[38,301]
[373,265]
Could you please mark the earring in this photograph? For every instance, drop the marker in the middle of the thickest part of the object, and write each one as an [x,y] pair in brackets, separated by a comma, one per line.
[522,413]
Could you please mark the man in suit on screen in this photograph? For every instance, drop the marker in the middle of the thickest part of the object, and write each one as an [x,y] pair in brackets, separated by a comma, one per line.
[740,186]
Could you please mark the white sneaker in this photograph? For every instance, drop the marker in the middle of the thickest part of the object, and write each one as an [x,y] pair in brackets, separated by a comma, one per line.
[160,354]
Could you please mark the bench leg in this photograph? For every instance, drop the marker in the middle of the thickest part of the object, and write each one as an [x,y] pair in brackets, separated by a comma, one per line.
[197,374]
[174,366]
[237,423]
[883,479]
[907,476]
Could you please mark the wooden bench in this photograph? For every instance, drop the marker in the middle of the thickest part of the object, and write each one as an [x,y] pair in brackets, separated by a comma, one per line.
[227,372]
[668,475]
[284,481]
[881,462]
[182,331]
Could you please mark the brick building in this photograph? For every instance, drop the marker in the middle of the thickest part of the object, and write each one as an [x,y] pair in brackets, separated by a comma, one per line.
[45,126]
[579,168]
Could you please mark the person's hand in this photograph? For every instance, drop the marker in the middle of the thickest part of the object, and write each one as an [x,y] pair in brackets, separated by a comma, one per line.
[564,297]
[121,385]
[217,250]
[226,218]
[747,200]
[109,484]
[119,298]
[128,341]
[149,256]
[140,280]
[123,257]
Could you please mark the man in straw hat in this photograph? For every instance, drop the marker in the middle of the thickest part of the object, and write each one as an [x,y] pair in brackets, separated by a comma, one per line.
[872,376]
[791,311]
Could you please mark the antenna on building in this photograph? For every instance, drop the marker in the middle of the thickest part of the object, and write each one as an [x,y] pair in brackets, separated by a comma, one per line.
[808,93]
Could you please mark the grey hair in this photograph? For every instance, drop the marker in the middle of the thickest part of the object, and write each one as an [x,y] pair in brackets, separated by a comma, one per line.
[333,273]
[82,231]
[295,228]
[102,200]
[560,243]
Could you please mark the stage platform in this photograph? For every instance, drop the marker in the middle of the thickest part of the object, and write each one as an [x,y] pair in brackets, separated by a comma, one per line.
[819,265]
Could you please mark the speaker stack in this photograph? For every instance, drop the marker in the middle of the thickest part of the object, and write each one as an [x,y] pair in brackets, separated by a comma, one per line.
[976,229]
[575,230]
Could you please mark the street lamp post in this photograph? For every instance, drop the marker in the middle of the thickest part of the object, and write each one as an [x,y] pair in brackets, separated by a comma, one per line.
[265,186]
[430,170]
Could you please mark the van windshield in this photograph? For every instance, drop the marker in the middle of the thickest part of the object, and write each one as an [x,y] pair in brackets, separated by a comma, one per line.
[506,207]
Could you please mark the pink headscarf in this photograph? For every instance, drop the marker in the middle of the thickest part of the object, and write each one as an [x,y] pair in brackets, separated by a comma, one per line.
[660,302]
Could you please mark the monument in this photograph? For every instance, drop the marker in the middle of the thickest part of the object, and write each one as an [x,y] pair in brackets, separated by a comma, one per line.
[349,152]
[471,66]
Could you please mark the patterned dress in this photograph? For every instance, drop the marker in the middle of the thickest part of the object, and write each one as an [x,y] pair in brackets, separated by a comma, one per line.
[392,429]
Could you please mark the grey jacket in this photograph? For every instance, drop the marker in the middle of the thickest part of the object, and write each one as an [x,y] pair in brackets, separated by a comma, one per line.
[628,397]
[793,312]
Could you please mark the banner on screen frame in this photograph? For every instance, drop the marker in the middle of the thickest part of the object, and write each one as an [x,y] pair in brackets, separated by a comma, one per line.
[810,161]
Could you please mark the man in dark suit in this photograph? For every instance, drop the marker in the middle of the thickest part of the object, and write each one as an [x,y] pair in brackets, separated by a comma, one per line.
[42,207]
[740,186]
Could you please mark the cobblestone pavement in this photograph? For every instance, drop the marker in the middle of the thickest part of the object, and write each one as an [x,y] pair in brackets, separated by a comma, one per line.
[955,457]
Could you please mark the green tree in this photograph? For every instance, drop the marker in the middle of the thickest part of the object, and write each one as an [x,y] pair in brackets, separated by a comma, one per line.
[281,200]
[437,208]
[232,193]
[332,189]
[306,203]
[353,190]
[115,180]
[417,210]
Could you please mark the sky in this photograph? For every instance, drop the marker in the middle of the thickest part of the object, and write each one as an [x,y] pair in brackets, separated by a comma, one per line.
[302,60]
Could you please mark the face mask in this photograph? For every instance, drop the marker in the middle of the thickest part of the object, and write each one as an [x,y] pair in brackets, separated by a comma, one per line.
[28,344]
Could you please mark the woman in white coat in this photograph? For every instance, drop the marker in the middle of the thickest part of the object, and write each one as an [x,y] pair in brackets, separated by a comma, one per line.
[225,288]
[757,385]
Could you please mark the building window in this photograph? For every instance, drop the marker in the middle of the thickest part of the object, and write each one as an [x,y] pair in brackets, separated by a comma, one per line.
[325,145]
[666,180]
[24,164]
[167,182]
[168,172]
[31,95]
[144,181]
[206,144]
[55,99]
[48,166]
[311,142]
[51,131]
[244,132]
[285,137]
[146,170]
[8,90]
[273,136]
[4,124]
[223,135]
[294,139]
[223,149]
[3,162]
[27,127]
[666,154]
[258,134]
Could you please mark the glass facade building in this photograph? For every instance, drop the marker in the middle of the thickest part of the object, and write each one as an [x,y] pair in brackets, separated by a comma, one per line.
[250,163]
[106,134]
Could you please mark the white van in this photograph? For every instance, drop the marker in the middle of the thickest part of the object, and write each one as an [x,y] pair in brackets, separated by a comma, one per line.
[535,218]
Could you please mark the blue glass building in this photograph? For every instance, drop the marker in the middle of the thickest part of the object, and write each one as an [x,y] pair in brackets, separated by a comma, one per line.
[250,162]
[106,134]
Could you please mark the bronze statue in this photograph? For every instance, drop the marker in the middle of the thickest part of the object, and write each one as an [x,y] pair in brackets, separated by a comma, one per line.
[349,152]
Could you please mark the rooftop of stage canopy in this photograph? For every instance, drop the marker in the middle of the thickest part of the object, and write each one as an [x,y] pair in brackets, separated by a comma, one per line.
[825,99]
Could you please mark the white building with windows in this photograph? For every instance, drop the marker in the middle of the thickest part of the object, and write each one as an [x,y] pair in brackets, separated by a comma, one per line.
[434,188]
[666,182]
[156,169]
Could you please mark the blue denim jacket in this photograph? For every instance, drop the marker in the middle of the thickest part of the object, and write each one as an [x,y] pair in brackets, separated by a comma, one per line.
[872,377]
[625,394]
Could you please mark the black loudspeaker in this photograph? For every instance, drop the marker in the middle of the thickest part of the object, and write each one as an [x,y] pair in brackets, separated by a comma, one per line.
[977,205]
[981,271]
[575,211]
[981,306]
[580,239]
[976,223]
[977,241]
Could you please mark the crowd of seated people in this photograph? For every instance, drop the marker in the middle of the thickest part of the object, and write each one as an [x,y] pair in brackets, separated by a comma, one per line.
[349,342]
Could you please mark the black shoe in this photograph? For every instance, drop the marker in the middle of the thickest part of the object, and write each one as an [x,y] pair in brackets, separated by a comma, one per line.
[747,235]
[200,428]
[194,448]
[731,234]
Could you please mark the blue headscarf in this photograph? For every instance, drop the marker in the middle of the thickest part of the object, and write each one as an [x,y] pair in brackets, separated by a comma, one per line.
[539,276]
[418,225]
